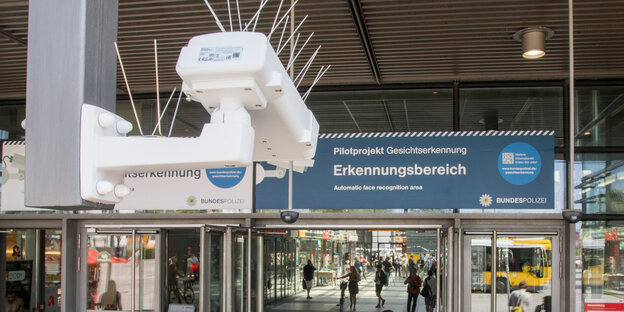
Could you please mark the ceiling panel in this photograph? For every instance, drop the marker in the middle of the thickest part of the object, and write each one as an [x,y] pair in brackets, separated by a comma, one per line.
[412,42]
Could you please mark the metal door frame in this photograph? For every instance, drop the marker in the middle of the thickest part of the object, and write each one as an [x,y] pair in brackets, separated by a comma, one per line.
[449,264]
[465,274]
[88,230]
[158,230]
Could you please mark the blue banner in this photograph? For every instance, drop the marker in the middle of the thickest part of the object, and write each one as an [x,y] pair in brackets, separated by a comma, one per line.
[421,170]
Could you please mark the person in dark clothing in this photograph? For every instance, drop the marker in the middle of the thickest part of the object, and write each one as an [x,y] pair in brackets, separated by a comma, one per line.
[410,265]
[380,281]
[354,279]
[420,263]
[308,276]
[387,267]
[413,289]
[172,279]
[397,267]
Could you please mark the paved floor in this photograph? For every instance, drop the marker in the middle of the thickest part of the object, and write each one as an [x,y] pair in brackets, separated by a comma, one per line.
[326,298]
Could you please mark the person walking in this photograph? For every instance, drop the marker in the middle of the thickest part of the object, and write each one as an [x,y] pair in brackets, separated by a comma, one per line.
[354,279]
[403,266]
[308,276]
[396,266]
[380,281]
[358,266]
[431,300]
[387,268]
[413,289]
[520,299]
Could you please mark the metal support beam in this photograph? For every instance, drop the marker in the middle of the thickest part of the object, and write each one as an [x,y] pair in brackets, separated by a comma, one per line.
[456,107]
[260,274]
[3,264]
[70,267]
[387,110]
[611,110]
[13,37]
[360,24]
[70,62]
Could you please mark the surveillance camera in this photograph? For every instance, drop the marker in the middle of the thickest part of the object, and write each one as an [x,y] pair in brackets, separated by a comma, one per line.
[572,216]
[289,216]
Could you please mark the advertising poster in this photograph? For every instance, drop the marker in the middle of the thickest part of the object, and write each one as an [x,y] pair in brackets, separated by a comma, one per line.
[13,173]
[422,170]
[18,285]
[224,189]
[604,305]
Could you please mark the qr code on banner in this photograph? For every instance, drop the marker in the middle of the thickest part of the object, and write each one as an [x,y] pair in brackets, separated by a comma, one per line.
[508,158]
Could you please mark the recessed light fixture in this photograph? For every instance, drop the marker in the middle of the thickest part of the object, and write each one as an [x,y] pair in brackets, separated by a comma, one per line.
[533,41]
[586,133]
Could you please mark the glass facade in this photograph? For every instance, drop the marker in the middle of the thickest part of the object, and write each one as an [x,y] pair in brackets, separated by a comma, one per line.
[33,269]
[601,186]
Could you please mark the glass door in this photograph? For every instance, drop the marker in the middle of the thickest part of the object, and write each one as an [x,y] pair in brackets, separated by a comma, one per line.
[518,273]
[122,271]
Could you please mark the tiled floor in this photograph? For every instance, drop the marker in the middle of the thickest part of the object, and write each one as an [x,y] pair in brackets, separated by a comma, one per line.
[326,298]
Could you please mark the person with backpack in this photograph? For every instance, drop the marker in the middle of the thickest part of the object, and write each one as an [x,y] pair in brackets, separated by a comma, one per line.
[413,289]
[429,291]
[380,280]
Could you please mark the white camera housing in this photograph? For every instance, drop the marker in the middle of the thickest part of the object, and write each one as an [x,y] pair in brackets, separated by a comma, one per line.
[256,111]
[240,69]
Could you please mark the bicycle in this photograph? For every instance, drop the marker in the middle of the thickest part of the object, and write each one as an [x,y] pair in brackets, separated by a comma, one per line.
[185,294]
[343,288]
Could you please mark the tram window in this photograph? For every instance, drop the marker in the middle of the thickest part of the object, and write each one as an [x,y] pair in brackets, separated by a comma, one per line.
[522,260]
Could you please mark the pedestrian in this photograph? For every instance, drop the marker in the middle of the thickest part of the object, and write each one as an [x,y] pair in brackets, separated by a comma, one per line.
[396,263]
[520,299]
[358,266]
[387,268]
[380,281]
[366,265]
[410,265]
[413,289]
[420,262]
[354,279]
[194,267]
[431,300]
[308,276]
[403,266]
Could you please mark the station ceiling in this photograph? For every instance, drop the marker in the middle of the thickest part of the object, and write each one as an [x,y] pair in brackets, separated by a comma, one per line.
[376,43]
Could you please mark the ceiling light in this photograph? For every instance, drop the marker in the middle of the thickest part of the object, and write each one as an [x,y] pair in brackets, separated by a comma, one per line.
[533,41]
[586,133]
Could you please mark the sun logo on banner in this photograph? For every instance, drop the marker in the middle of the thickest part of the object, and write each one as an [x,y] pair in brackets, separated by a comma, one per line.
[191,201]
[485,200]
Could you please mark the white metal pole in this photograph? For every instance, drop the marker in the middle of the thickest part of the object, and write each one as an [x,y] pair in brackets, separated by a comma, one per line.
[249,242]
[494,271]
[132,269]
[449,269]
[437,273]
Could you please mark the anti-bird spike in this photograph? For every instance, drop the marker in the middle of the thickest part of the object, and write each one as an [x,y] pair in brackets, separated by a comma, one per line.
[294,32]
[276,16]
[290,62]
[283,16]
